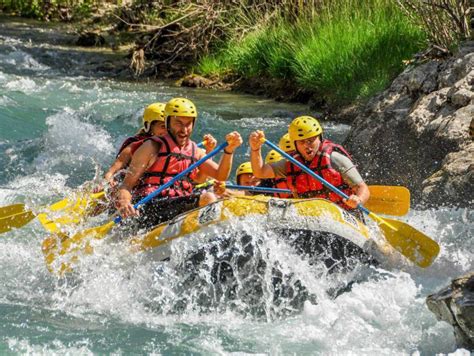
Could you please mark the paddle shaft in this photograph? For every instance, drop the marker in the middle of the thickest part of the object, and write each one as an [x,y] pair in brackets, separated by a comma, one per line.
[175,179]
[314,175]
[245,187]
[257,189]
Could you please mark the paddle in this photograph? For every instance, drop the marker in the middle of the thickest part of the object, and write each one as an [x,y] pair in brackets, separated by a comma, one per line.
[257,188]
[243,187]
[391,200]
[384,199]
[411,243]
[73,211]
[15,216]
[101,231]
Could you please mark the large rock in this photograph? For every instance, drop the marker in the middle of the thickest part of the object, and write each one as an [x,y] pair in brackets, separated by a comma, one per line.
[418,133]
[455,305]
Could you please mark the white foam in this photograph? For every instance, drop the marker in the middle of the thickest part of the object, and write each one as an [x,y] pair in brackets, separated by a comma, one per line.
[33,188]
[54,347]
[6,101]
[71,88]
[70,138]
[25,85]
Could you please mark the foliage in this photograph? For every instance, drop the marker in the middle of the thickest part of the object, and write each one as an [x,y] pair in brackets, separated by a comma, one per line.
[65,10]
[341,50]
[445,21]
[346,50]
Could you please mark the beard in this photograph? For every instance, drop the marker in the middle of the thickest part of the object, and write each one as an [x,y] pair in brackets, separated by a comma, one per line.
[180,137]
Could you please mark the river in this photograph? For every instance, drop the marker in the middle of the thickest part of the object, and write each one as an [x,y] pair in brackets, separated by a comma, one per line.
[61,122]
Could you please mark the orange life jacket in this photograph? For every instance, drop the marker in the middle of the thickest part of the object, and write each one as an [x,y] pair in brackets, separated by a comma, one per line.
[309,187]
[281,183]
[170,161]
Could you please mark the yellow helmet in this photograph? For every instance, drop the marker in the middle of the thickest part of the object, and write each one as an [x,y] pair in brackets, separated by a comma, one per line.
[245,167]
[153,112]
[286,144]
[273,156]
[304,127]
[180,107]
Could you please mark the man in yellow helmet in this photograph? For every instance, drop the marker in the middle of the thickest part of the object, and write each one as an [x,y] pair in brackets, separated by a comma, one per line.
[274,157]
[286,144]
[160,159]
[327,159]
[153,125]
[243,176]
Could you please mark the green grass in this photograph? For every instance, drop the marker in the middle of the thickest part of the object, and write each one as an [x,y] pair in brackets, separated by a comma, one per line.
[349,51]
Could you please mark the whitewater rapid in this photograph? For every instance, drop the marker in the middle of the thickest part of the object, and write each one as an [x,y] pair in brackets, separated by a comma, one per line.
[58,130]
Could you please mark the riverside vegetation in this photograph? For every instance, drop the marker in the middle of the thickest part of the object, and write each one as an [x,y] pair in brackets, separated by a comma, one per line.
[331,52]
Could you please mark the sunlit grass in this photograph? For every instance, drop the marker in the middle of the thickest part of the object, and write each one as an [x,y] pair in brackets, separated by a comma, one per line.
[349,51]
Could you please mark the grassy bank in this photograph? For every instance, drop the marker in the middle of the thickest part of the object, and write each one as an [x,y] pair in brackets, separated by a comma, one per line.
[349,50]
[333,51]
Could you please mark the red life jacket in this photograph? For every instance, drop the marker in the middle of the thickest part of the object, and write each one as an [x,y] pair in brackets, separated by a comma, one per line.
[281,183]
[132,139]
[309,187]
[135,146]
[170,161]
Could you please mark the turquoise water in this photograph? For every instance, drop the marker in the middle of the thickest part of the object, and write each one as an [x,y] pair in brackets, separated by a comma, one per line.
[60,126]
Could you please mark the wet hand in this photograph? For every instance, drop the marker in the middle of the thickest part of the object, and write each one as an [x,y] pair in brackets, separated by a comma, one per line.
[219,188]
[256,140]
[123,204]
[353,201]
[234,140]
[98,188]
[109,178]
[209,143]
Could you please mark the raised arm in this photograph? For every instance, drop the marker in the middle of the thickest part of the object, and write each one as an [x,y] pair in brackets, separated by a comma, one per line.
[260,170]
[222,171]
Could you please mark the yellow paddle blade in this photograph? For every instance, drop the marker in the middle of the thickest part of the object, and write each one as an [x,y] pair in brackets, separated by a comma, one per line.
[390,200]
[72,211]
[413,244]
[11,210]
[92,233]
[59,244]
[14,217]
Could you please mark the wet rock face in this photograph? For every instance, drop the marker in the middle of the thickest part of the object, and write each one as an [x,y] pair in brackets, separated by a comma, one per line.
[418,133]
[455,305]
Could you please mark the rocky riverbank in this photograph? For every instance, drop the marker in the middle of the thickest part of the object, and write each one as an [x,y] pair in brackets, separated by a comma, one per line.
[419,132]
[455,305]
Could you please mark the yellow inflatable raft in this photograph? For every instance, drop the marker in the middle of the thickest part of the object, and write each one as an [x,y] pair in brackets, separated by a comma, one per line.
[314,215]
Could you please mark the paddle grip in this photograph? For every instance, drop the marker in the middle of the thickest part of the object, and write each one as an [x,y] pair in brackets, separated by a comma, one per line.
[314,175]
[178,177]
